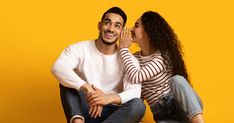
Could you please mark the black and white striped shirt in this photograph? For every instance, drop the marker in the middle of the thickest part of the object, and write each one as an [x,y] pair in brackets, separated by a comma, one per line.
[154,74]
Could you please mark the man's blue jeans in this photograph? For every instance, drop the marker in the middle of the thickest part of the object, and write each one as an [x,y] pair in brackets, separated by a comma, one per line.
[74,103]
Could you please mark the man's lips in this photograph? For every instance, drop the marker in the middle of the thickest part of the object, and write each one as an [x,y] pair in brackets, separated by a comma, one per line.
[109,35]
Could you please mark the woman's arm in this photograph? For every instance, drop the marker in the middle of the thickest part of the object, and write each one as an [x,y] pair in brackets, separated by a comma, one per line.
[137,75]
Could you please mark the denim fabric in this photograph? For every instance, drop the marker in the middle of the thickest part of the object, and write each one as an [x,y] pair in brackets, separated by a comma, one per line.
[186,97]
[167,110]
[130,112]
[74,104]
[180,105]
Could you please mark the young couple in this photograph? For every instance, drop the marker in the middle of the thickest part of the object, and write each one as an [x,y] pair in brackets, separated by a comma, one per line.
[101,82]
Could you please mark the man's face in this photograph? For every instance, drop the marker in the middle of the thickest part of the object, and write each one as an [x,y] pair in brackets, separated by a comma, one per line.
[110,28]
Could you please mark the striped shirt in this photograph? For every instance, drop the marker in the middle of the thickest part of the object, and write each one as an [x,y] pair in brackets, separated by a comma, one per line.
[154,73]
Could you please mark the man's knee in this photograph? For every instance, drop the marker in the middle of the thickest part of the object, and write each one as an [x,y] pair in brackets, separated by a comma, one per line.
[137,107]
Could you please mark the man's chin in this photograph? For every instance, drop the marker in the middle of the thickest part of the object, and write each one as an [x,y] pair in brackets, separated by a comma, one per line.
[108,42]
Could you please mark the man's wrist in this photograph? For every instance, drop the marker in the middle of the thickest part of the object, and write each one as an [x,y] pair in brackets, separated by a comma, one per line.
[114,99]
[86,88]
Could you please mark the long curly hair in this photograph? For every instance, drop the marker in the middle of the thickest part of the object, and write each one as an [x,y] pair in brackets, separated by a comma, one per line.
[163,38]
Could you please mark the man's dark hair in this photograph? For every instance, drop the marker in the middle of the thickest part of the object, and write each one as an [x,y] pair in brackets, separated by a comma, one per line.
[116,10]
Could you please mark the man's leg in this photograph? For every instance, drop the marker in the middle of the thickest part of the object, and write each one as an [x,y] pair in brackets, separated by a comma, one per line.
[75,105]
[130,112]
[71,102]
[186,97]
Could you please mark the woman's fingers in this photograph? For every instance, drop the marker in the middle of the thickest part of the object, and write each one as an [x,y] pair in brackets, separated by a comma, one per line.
[125,38]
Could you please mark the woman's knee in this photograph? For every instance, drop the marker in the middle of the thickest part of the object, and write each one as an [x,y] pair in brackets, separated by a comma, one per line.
[178,81]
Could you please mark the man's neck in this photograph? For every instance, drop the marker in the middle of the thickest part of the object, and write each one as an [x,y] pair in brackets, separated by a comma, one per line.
[105,48]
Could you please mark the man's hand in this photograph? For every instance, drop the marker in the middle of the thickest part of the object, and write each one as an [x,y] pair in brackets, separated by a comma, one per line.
[96,110]
[86,88]
[97,97]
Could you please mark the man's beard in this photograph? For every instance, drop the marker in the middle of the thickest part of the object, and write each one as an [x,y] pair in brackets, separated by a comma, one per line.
[108,43]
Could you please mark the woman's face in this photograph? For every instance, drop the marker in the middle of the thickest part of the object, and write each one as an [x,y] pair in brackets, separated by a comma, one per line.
[138,33]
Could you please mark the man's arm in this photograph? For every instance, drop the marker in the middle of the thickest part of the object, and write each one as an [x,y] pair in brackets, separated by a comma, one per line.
[64,65]
[130,91]
[98,97]
[63,70]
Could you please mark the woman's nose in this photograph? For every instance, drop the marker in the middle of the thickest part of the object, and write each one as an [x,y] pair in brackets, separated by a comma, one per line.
[131,29]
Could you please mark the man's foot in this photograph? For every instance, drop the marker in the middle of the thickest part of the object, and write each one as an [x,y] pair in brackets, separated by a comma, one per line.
[77,120]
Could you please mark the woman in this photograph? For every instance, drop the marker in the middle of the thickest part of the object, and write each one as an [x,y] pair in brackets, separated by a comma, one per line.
[162,72]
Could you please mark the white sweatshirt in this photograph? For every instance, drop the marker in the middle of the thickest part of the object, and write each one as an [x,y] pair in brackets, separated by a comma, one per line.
[82,63]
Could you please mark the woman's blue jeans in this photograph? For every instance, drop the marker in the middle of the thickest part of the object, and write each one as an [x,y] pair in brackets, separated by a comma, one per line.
[180,105]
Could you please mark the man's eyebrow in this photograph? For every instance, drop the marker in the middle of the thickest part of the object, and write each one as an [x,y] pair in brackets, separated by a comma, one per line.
[107,19]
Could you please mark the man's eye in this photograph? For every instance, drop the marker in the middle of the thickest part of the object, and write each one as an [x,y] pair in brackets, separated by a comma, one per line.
[117,26]
[107,22]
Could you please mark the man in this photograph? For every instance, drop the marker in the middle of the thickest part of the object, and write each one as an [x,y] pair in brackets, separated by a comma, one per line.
[92,84]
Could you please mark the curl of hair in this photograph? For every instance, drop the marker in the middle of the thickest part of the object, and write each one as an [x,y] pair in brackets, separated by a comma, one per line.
[163,38]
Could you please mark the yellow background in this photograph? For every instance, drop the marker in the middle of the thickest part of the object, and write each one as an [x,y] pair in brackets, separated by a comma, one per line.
[33,34]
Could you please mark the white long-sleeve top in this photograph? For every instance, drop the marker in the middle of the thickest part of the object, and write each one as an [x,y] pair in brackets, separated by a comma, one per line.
[82,63]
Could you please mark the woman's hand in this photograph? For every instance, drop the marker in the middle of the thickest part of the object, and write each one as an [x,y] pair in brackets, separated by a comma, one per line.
[125,39]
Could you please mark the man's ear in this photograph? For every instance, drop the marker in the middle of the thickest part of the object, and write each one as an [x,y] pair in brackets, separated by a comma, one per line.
[99,25]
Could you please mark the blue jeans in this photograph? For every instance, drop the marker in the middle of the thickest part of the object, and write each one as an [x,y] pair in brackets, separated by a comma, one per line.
[74,103]
[180,105]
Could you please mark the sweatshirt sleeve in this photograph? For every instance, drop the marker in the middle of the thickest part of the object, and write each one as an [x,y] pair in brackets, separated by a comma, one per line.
[131,90]
[63,68]
[137,75]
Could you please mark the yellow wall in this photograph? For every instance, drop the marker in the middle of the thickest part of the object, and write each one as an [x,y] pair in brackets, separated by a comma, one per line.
[33,34]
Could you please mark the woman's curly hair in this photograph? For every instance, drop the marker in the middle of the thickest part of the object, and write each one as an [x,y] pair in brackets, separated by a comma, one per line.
[163,38]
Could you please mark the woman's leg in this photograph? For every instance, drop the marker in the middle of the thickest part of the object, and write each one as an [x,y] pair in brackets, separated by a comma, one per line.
[187,98]
[197,119]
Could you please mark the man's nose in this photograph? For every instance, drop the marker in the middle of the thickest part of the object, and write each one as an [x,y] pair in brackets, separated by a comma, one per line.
[111,28]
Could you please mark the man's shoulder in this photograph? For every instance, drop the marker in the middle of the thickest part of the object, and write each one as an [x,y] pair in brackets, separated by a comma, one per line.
[84,42]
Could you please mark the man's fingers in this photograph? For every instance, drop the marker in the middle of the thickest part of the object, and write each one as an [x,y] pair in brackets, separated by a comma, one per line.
[92,95]
[95,101]
[100,111]
[97,112]
[90,110]
[92,99]
[94,109]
